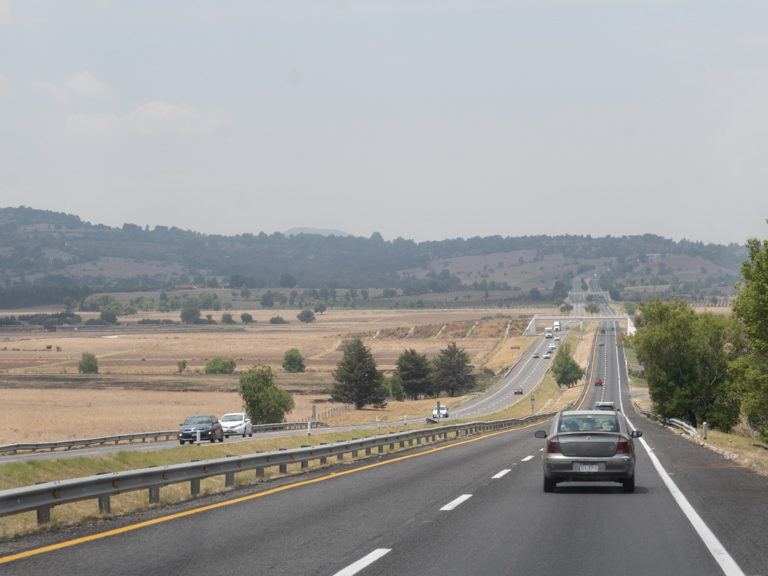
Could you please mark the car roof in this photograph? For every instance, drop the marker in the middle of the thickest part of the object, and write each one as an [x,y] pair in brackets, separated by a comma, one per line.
[583,413]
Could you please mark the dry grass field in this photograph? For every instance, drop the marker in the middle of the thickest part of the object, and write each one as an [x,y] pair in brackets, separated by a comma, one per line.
[138,388]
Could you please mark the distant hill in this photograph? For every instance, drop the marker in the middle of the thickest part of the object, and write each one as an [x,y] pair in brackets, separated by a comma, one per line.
[47,256]
[318,231]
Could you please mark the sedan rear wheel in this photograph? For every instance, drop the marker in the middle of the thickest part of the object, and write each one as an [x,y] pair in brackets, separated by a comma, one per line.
[629,484]
[549,485]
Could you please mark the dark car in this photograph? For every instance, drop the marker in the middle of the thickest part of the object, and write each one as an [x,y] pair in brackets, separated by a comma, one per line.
[207,425]
[589,446]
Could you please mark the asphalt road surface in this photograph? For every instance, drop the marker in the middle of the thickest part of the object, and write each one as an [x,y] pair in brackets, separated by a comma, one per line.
[471,507]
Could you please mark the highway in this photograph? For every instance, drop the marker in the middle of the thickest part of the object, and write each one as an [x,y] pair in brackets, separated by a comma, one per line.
[470,507]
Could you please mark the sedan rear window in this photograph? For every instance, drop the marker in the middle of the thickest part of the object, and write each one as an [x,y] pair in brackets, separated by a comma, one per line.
[607,423]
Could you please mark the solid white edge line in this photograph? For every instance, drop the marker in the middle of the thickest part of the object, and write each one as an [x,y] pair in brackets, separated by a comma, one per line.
[501,474]
[718,551]
[460,500]
[364,562]
[726,562]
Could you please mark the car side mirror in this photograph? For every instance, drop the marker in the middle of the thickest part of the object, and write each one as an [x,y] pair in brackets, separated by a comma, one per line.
[636,433]
[540,433]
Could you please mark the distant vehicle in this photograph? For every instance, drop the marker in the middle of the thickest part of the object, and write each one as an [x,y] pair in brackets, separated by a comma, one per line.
[518,390]
[440,411]
[552,347]
[207,425]
[556,326]
[589,446]
[236,423]
[598,381]
[604,405]
[535,354]
[557,337]
[547,355]
[547,332]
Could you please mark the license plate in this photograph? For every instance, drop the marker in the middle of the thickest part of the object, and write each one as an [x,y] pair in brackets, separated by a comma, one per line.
[588,468]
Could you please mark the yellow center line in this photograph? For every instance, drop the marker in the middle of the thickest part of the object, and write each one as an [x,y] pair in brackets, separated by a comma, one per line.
[161,519]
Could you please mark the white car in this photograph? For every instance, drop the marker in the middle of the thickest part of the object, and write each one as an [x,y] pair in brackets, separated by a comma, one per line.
[443,413]
[236,424]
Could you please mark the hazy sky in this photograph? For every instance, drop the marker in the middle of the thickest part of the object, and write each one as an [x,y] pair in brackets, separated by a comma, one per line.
[421,119]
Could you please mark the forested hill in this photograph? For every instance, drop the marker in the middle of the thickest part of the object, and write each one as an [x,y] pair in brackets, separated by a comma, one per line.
[46,256]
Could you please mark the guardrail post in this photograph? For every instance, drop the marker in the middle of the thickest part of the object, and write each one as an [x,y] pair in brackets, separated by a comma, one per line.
[260,472]
[104,504]
[229,479]
[381,448]
[154,495]
[368,451]
[44,515]
[283,468]
[194,486]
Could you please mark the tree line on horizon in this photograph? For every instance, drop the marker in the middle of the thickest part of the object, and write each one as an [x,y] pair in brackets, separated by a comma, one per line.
[40,247]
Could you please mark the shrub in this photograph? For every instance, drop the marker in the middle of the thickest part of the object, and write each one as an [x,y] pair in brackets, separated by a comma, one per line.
[220,365]
[88,364]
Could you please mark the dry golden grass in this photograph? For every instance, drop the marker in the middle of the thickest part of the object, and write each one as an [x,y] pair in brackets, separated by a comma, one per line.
[138,387]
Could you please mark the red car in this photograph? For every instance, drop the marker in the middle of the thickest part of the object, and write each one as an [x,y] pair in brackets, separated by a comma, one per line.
[598,382]
[518,390]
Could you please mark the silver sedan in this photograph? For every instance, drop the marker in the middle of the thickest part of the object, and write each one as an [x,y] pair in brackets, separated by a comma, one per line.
[237,423]
[589,446]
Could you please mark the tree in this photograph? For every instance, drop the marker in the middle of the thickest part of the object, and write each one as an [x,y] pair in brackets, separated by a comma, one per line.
[686,362]
[246,318]
[414,371]
[267,299]
[264,402]
[108,316]
[320,307]
[88,364]
[220,365]
[452,372]
[358,381]
[397,392]
[306,315]
[750,308]
[181,365]
[565,369]
[226,318]
[190,313]
[293,361]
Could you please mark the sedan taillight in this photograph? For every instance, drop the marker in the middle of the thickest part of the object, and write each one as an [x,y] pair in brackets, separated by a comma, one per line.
[623,445]
[553,445]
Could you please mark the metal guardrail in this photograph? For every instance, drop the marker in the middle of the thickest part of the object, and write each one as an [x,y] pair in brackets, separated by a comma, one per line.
[163,435]
[684,426]
[42,497]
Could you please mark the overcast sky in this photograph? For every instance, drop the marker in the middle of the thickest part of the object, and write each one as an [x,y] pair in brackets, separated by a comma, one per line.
[421,119]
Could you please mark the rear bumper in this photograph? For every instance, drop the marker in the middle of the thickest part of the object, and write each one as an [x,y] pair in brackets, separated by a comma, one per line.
[566,469]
